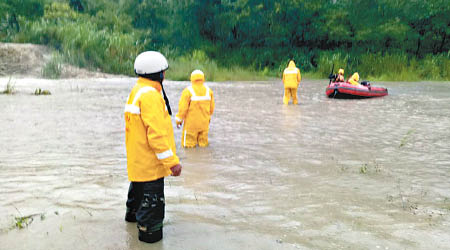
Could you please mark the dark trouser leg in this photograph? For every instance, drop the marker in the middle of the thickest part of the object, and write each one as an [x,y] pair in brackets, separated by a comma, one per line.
[150,214]
[135,195]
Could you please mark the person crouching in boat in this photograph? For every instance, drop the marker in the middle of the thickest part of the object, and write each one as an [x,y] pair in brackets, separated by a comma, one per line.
[195,109]
[354,79]
[291,80]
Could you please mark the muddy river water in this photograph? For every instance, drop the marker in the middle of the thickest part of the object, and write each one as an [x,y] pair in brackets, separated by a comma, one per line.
[325,174]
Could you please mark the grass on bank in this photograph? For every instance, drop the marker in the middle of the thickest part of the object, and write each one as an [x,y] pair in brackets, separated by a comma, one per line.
[386,67]
[40,91]
[80,41]
[10,88]
[53,68]
[181,68]
[373,67]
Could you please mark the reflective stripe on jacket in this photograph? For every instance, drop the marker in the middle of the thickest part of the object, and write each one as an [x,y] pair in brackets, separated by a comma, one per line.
[196,107]
[148,133]
[291,76]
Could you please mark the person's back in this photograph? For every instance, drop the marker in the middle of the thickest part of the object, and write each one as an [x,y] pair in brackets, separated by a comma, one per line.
[354,79]
[291,80]
[195,109]
[143,164]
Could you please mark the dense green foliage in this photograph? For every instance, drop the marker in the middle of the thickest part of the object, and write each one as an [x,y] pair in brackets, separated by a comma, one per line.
[229,39]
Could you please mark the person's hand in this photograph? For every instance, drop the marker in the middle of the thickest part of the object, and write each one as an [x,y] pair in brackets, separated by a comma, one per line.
[179,123]
[176,170]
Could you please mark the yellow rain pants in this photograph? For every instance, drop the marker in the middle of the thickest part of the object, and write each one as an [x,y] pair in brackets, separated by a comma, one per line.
[290,93]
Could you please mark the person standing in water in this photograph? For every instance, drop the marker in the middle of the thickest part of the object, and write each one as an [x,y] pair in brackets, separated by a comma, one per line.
[150,146]
[291,80]
[195,109]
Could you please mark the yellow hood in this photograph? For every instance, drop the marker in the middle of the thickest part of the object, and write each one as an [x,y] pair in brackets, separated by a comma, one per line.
[197,76]
[291,64]
[355,76]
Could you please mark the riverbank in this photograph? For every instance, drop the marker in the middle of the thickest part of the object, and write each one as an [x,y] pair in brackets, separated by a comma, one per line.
[25,60]
[31,60]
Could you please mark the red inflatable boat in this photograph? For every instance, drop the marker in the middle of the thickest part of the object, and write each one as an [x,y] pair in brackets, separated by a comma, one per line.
[347,90]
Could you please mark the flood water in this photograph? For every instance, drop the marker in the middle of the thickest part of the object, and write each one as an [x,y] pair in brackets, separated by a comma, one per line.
[325,174]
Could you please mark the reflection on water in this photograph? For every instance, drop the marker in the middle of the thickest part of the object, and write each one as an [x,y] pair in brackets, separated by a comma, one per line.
[324,174]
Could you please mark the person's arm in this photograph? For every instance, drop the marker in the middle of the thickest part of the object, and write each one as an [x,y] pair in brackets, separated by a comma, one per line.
[153,116]
[299,77]
[183,107]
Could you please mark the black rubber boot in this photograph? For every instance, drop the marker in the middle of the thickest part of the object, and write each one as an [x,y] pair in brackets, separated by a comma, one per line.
[130,215]
[151,237]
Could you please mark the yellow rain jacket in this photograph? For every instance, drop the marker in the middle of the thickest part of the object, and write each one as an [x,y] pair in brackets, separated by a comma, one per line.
[148,133]
[354,79]
[340,76]
[196,106]
[291,76]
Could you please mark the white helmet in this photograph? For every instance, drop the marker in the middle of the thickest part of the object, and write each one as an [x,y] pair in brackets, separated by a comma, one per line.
[150,62]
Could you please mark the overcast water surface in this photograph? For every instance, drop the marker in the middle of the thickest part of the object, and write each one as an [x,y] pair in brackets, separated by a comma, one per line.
[325,174]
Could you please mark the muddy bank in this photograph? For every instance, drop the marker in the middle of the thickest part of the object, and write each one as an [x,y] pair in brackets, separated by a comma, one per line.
[24,60]
[326,174]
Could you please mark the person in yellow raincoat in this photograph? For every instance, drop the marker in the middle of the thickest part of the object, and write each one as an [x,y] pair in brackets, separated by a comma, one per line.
[340,76]
[354,79]
[195,109]
[291,80]
[150,146]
